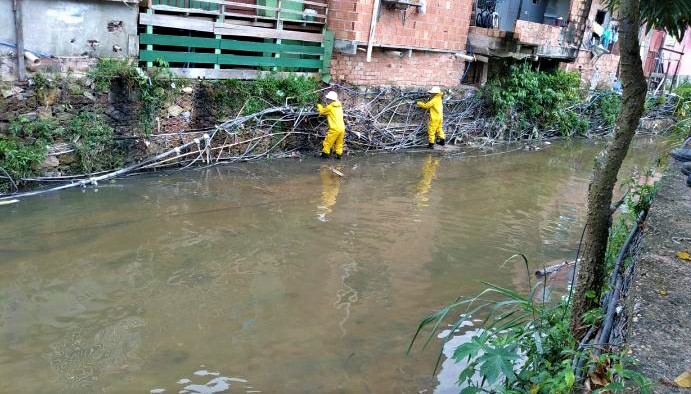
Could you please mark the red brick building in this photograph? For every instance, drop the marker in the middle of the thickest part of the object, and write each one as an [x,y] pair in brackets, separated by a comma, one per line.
[413,43]
[438,42]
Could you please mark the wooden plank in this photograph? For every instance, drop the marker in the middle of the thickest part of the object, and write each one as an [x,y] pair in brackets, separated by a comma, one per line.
[271,18]
[267,8]
[162,7]
[246,46]
[19,32]
[179,41]
[149,30]
[329,39]
[314,3]
[209,73]
[177,22]
[258,32]
[226,29]
[261,61]
[178,57]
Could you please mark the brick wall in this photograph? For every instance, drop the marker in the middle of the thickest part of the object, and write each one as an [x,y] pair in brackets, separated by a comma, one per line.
[598,74]
[422,69]
[538,34]
[443,26]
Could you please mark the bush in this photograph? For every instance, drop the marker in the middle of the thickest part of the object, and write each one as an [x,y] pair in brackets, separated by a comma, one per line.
[19,158]
[536,98]
[682,111]
[230,96]
[26,144]
[608,107]
[93,140]
[524,345]
[153,90]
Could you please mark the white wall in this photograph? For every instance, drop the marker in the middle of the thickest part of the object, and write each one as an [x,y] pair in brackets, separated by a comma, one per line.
[65,27]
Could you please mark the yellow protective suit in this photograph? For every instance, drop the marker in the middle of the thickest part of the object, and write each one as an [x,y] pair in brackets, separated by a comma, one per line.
[336,133]
[436,117]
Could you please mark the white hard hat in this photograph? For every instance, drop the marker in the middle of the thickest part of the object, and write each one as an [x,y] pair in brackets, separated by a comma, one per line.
[434,90]
[333,96]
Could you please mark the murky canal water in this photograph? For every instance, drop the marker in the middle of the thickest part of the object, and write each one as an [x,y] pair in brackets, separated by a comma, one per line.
[273,277]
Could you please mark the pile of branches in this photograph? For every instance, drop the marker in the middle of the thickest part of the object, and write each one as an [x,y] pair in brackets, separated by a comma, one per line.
[381,119]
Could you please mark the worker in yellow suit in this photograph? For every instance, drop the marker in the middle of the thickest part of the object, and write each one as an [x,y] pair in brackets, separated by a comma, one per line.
[336,133]
[436,117]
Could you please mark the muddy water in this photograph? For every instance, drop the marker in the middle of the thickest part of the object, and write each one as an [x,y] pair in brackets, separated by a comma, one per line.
[273,277]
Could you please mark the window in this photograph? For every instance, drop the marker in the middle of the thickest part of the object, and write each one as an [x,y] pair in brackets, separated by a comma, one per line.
[600,16]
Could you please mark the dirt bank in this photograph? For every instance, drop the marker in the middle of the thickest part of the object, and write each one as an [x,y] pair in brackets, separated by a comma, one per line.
[661,325]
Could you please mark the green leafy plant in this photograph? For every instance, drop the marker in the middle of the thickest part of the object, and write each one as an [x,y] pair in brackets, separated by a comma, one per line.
[608,107]
[93,140]
[25,146]
[38,129]
[19,158]
[682,111]
[233,96]
[153,90]
[527,97]
[524,344]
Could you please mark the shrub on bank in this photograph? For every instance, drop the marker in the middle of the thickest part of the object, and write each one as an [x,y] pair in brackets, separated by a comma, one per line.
[526,98]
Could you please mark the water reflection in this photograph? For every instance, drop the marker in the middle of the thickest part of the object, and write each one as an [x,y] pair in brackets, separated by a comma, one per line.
[429,171]
[331,184]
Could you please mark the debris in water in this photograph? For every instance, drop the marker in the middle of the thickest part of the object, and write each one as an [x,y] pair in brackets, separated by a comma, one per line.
[8,202]
[339,173]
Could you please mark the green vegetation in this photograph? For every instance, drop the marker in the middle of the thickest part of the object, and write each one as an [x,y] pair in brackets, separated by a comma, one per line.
[24,147]
[608,107]
[232,96]
[93,140]
[533,98]
[19,158]
[153,91]
[524,343]
[682,111]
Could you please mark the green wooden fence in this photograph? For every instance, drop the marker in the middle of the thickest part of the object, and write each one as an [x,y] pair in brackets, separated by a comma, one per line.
[206,52]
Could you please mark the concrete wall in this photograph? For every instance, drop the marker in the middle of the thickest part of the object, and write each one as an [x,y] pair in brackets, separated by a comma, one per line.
[97,28]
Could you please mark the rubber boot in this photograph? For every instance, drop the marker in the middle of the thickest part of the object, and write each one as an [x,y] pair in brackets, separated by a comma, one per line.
[686,168]
[442,141]
[338,157]
[324,155]
[430,145]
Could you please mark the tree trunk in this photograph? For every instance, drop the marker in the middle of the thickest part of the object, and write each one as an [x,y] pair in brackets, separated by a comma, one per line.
[592,270]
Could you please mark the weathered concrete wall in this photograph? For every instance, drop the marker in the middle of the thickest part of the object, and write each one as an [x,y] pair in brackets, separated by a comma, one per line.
[73,27]
[422,69]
